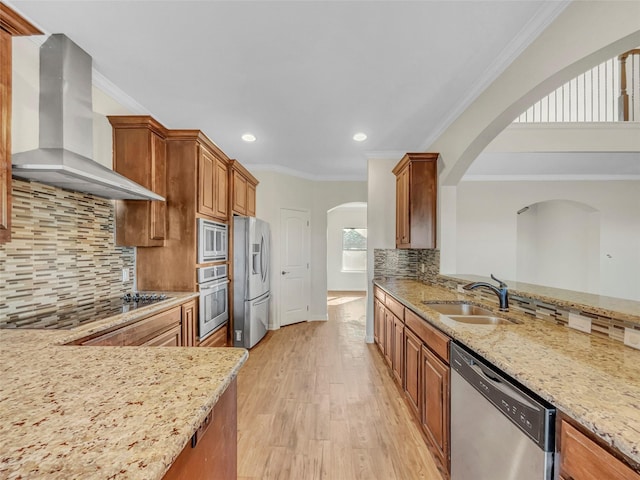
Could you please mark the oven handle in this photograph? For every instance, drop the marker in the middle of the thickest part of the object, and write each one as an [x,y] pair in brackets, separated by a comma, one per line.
[213,285]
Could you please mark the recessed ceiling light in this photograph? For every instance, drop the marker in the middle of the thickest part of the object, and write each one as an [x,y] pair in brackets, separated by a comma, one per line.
[360,137]
[249,137]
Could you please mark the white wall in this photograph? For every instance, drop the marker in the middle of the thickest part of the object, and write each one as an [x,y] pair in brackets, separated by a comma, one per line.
[341,217]
[381,220]
[487,227]
[25,126]
[276,191]
[558,246]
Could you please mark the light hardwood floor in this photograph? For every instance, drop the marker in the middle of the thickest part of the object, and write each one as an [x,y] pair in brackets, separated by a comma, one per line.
[316,402]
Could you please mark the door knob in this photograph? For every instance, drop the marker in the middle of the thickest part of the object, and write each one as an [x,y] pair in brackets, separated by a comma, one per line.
[284,273]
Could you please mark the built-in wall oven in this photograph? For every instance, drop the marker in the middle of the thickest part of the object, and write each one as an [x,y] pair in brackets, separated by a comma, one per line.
[213,241]
[213,284]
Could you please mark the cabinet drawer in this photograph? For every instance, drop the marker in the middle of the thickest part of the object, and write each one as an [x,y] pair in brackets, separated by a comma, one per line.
[395,306]
[582,459]
[170,338]
[217,338]
[435,340]
[379,294]
[139,332]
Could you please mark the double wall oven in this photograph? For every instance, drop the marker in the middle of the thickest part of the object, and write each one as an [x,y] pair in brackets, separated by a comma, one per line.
[213,281]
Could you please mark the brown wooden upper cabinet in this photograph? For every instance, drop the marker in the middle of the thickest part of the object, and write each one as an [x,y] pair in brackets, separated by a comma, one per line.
[197,184]
[213,184]
[416,200]
[140,153]
[11,25]
[243,190]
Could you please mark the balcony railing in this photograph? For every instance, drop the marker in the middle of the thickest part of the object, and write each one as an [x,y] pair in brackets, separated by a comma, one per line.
[609,92]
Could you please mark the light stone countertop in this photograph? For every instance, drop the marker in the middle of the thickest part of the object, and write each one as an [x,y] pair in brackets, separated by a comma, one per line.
[594,380]
[103,412]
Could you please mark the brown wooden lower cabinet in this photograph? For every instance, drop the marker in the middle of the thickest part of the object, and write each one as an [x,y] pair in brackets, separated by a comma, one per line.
[435,405]
[217,339]
[583,459]
[398,350]
[378,321]
[174,327]
[214,455]
[412,382]
[170,338]
[140,332]
[388,336]
[418,355]
[189,324]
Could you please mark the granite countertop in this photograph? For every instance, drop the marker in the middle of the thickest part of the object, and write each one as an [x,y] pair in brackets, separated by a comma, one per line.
[103,412]
[594,380]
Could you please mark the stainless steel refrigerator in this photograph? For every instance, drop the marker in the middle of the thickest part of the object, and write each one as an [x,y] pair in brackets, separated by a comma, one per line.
[251,292]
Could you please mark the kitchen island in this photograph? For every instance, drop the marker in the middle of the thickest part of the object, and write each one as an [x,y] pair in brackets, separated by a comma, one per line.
[593,380]
[103,412]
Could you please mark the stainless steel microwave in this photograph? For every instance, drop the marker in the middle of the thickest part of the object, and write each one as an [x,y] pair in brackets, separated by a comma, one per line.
[213,241]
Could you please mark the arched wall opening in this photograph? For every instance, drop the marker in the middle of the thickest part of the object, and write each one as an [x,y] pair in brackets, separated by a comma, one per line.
[558,245]
[347,248]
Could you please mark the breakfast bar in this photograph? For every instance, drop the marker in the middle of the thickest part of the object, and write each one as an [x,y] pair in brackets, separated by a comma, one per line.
[103,412]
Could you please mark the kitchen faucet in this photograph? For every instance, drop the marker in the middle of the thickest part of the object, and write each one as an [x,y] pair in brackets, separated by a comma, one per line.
[502,292]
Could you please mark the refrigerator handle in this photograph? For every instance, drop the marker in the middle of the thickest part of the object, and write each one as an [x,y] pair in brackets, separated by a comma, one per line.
[263,259]
[264,300]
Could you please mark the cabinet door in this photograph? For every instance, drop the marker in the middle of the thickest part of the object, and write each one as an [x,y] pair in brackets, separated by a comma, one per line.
[251,200]
[583,459]
[5,136]
[170,338]
[206,183]
[157,214]
[139,153]
[239,193]
[412,351]
[435,405]
[189,324]
[378,323]
[398,350]
[388,336]
[221,189]
[402,208]
[214,454]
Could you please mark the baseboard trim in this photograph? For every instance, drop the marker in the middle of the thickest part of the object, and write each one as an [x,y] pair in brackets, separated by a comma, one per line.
[318,318]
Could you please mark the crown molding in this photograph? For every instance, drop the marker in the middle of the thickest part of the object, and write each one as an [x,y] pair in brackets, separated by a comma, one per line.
[547,13]
[550,178]
[108,87]
[259,167]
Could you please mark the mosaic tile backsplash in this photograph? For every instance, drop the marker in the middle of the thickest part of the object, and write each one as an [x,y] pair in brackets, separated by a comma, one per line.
[410,263]
[62,252]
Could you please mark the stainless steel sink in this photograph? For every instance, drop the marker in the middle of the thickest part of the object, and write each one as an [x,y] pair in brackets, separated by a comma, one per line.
[467,313]
[458,309]
[480,319]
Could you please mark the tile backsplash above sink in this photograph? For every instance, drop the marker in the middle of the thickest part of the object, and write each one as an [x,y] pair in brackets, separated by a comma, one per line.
[424,265]
[62,251]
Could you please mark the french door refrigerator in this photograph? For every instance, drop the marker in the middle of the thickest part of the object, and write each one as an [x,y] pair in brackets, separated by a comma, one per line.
[251,293]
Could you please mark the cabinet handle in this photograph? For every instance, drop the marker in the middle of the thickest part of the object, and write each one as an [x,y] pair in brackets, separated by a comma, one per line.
[284,273]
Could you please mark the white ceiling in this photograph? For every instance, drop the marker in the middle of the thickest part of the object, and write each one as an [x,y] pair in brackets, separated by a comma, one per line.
[303,76]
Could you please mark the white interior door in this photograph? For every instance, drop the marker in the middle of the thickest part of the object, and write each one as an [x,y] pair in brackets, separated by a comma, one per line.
[295,289]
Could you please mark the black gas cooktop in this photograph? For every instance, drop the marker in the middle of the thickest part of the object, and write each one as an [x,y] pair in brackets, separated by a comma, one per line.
[82,314]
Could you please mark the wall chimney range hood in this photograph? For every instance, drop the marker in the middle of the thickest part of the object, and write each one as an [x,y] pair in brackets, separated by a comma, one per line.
[63,158]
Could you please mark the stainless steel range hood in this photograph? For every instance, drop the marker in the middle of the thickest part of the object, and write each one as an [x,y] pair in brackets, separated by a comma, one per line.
[66,129]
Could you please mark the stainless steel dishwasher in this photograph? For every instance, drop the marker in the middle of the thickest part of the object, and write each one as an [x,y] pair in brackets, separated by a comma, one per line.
[498,430]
